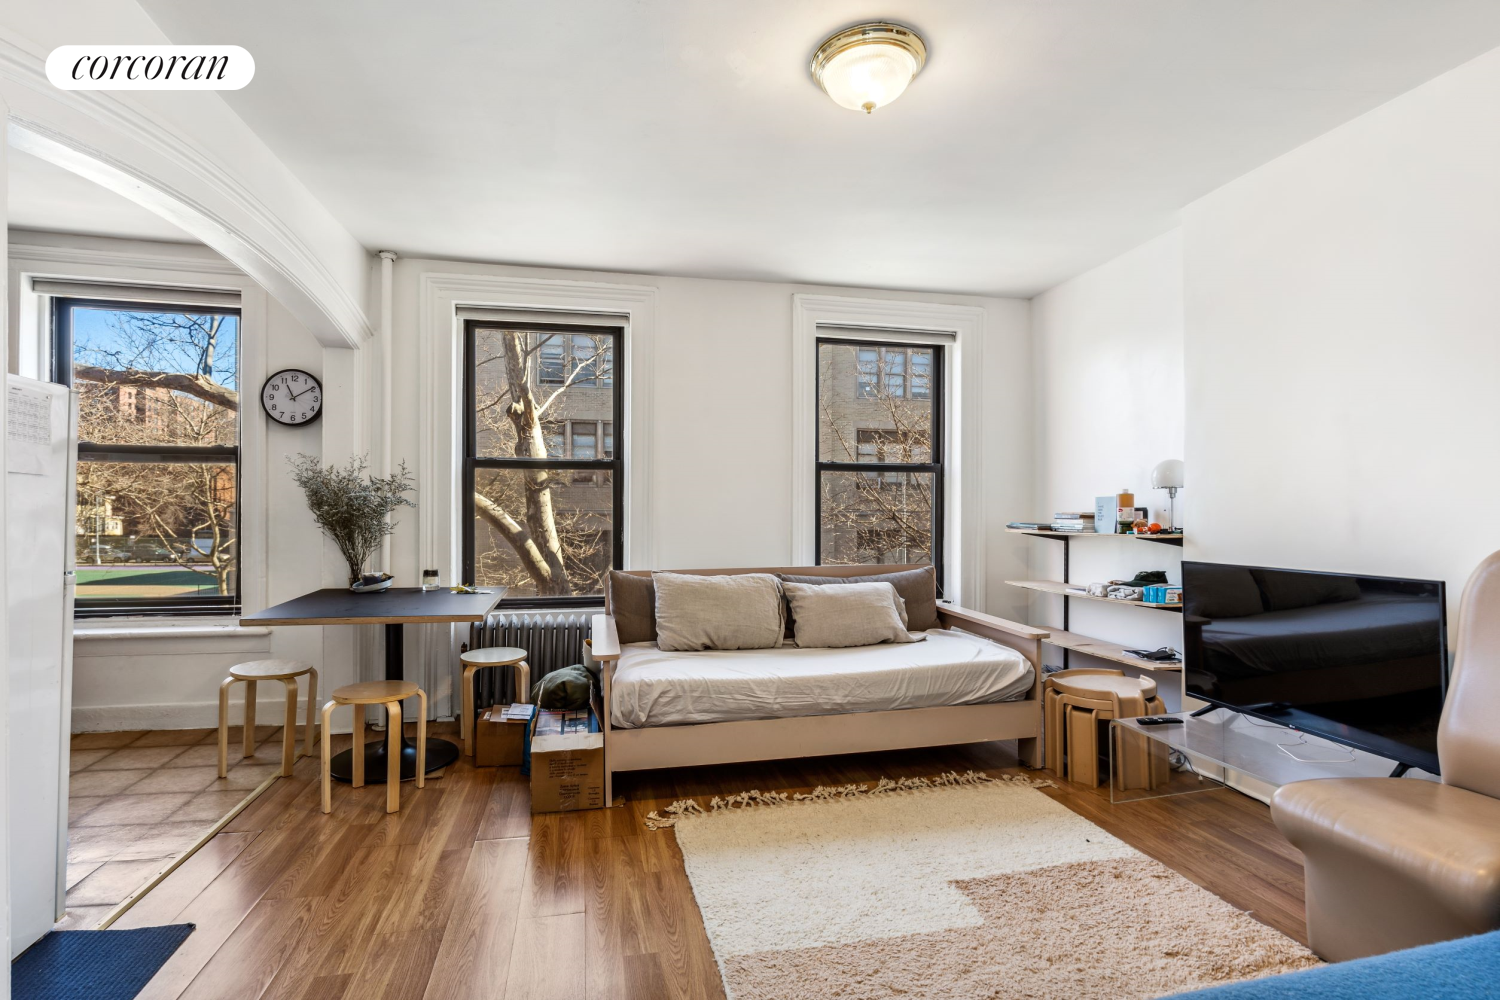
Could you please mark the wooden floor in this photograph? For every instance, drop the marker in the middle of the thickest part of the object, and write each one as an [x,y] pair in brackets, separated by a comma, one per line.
[464,894]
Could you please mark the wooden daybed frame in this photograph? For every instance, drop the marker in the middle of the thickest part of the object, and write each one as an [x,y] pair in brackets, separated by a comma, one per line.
[818,735]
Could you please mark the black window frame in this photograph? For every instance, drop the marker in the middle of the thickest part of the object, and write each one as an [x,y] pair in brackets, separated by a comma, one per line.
[615,464]
[935,466]
[198,606]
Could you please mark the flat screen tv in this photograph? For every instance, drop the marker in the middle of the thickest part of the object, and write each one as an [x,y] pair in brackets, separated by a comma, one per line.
[1362,660]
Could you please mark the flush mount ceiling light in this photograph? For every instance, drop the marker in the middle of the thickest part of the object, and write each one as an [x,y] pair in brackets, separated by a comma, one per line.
[869,65]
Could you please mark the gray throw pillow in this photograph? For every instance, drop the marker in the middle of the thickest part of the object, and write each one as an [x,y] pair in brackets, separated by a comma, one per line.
[859,614]
[917,587]
[632,604]
[718,612]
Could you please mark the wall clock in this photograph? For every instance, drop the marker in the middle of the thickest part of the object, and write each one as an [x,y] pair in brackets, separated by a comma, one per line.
[292,397]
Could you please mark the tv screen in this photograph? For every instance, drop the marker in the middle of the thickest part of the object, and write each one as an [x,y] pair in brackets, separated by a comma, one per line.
[1358,659]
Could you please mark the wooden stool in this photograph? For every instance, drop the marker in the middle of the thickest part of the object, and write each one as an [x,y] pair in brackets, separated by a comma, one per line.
[285,671]
[1053,718]
[390,694]
[480,659]
[1086,700]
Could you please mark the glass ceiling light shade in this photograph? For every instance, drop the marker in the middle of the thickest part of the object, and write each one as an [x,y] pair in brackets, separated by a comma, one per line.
[869,65]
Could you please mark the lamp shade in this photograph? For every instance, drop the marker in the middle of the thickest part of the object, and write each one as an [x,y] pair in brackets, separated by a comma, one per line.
[868,66]
[1167,475]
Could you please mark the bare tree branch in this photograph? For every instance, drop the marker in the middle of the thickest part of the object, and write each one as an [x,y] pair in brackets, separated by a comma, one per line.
[200,386]
[532,559]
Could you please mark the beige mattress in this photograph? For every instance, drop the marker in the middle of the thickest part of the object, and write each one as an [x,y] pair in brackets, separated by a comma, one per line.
[656,688]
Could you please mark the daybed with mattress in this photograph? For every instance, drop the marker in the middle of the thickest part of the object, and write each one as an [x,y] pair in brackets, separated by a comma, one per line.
[971,678]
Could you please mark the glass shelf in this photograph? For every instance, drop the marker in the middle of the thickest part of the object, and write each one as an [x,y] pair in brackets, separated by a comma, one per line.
[1152,761]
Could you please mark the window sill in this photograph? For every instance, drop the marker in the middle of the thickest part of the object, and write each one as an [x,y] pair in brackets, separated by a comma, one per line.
[157,628]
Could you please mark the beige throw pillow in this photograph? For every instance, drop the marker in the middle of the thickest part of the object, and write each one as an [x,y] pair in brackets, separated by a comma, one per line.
[855,614]
[718,612]
[917,587]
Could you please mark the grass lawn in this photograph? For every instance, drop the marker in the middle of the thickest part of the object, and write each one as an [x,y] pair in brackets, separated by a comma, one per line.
[142,581]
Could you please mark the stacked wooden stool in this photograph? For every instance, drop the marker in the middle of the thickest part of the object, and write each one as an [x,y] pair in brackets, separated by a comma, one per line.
[1075,702]
[475,660]
[249,674]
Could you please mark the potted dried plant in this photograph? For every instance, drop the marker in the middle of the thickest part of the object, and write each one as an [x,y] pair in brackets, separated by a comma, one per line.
[354,509]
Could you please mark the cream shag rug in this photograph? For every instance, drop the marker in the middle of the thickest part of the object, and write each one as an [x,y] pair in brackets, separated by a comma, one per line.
[959,887]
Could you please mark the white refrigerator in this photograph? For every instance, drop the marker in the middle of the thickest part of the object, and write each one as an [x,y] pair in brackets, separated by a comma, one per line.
[41,447]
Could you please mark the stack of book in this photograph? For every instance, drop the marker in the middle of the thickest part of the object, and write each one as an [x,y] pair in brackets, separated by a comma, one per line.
[1073,520]
[515,712]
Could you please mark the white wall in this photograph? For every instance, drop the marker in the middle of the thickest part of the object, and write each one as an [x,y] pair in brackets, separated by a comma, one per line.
[1109,405]
[1342,353]
[721,421]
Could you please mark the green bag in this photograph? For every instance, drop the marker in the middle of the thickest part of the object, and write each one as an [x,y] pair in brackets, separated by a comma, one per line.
[563,689]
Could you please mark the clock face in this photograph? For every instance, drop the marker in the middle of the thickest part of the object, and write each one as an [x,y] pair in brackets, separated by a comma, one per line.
[292,396]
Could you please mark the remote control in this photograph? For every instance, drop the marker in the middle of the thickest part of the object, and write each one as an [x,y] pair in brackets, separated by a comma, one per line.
[1159,720]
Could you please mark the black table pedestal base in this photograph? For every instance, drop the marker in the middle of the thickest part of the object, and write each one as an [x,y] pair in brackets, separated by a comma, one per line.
[440,753]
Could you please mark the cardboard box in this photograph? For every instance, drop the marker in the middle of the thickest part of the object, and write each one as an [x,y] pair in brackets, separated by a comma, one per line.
[567,761]
[498,743]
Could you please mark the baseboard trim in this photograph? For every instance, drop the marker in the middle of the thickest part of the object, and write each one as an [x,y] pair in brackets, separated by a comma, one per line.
[186,715]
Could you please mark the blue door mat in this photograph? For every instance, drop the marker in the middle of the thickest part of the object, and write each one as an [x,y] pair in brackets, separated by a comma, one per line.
[94,965]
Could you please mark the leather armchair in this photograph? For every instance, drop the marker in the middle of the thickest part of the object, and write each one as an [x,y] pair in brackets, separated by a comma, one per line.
[1397,862]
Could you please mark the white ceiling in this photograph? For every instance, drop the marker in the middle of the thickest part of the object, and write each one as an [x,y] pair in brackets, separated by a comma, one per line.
[686,137]
[42,196]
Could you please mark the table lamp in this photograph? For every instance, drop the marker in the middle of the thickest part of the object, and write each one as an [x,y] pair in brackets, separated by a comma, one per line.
[1168,476]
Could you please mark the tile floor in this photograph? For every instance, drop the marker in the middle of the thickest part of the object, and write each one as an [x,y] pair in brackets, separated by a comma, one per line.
[137,800]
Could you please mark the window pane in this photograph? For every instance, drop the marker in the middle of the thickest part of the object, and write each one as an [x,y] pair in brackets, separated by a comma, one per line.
[551,359]
[855,396]
[552,433]
[609,439]
[553,376]
[148,377]
[921,373]
[573,548]
[607,365]
[148,530]
[893,368]
[868,374]
[876,519]
[584,436]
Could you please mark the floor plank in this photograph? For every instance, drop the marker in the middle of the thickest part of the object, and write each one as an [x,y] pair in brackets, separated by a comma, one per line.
[546,962]
[474,960]
[249,960]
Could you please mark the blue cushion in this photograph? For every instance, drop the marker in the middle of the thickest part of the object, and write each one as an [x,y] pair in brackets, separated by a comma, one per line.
[1465,969]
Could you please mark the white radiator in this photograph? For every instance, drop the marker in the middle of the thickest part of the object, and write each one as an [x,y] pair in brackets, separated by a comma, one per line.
[552,641]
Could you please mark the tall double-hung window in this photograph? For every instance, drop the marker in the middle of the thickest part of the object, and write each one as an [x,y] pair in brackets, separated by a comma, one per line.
[543,459]
[157,526]
[879,453]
